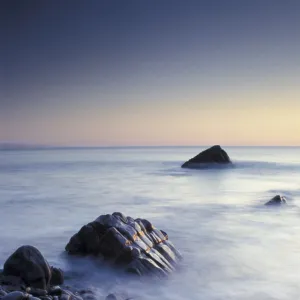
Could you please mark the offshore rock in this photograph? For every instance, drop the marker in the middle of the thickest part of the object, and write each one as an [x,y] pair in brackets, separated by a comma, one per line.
[134,244]
[277,200]
[214,154]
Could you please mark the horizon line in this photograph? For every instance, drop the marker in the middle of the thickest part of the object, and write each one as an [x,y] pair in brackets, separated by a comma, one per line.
[29,146]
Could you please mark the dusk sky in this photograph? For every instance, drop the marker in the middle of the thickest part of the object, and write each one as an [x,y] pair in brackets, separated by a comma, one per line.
[150,72]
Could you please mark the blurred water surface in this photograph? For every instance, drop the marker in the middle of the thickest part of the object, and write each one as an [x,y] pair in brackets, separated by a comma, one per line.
[233,246]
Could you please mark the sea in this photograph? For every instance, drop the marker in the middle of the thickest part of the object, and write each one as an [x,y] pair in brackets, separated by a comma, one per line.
[234,247]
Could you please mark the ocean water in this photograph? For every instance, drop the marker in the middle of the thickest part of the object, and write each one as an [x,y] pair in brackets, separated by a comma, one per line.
[234,247]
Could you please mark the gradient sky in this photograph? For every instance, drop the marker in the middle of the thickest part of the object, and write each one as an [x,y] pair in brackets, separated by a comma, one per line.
[150,72]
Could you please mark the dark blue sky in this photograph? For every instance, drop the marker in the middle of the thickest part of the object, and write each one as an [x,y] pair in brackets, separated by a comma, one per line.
[137,72]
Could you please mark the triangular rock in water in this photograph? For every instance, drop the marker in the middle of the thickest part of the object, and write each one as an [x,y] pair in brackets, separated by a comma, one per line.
[214,154]
[134,244]
[277,200]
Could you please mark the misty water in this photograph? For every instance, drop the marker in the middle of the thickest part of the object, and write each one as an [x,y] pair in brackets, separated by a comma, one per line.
[234,247]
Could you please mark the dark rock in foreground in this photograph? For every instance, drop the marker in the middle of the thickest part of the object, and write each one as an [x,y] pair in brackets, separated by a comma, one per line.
[214,154]
[27,275]
[28,264]
[134,244]
[277,200]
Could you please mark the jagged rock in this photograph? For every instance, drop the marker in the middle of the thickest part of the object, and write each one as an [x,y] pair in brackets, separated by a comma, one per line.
[28,264]
[277,200]
[214,154]
[134,244]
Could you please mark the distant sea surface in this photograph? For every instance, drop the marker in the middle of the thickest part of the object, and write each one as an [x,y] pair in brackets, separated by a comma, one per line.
[234,247]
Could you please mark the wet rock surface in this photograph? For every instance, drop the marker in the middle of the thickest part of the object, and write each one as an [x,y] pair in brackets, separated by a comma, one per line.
[276,201]
[134,244]
[212,155]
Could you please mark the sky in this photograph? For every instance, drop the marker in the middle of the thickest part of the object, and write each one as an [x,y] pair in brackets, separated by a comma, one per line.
[150,72]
